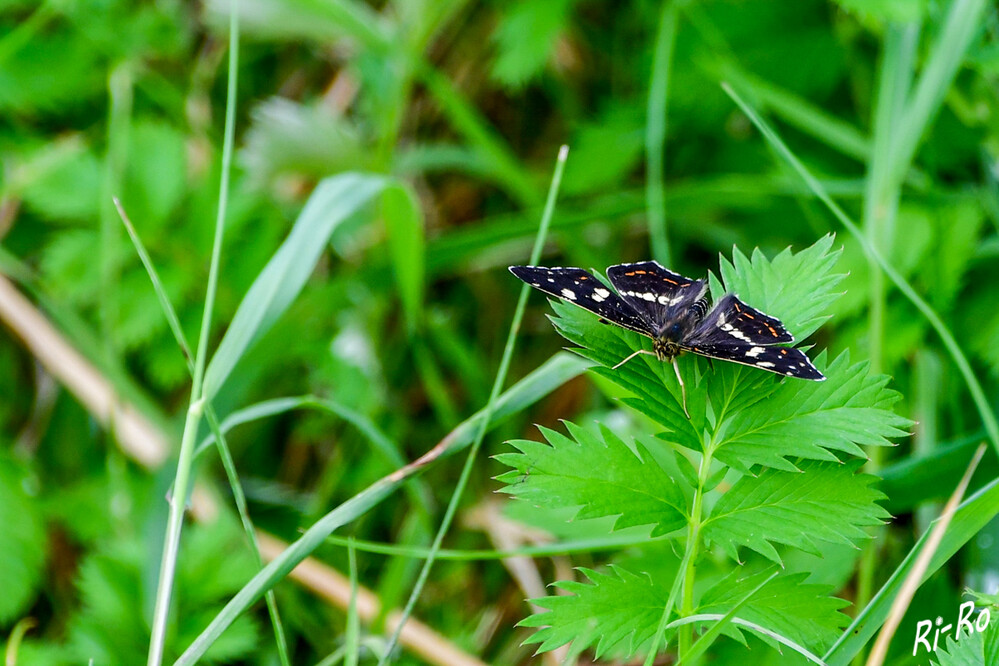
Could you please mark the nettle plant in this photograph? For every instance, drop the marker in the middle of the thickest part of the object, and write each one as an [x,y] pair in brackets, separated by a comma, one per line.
[764,466]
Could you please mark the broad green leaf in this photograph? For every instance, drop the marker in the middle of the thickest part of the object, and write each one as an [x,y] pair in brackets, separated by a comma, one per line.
[823,502]
[598,473]
[618,612]
[910,481]
[334,200]
[811,420]
[797,288]
[802,612]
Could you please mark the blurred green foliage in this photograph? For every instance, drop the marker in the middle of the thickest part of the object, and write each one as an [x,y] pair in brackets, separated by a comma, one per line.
[404,317]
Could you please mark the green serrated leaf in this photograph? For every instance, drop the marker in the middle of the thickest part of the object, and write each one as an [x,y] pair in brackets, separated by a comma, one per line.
[653,383]
[619,612]
[154,186]
[824,502]
[810,420]
[22,540]
[598,473]
[804,613]
[525,39]
[797,288]
[978,649]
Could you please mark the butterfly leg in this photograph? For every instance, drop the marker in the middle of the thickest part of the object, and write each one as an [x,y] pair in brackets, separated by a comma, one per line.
[631,356]
[683,390]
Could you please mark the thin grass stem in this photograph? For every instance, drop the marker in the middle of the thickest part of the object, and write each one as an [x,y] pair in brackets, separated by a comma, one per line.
[953,348]
[353,621]
[655,133]
[467,555]
[500,380]
[217,433]
[183,478]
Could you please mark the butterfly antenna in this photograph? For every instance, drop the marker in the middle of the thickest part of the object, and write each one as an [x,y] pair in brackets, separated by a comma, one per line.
[631,356]
[683,390]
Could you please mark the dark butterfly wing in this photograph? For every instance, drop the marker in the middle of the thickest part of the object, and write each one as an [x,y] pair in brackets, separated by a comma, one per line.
[732,321]
[576,286]
[657,292]
[781,360]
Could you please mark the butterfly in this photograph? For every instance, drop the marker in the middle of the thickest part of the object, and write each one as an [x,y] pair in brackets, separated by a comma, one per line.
[673,311]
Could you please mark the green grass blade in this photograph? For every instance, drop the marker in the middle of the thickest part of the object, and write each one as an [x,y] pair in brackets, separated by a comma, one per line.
[704,642]
[161,295]
[973,514]
[806,117]
[334,200]
[962,23]
[467,120]
[407,247]
[488,411]
[561,368]
[217,433]
[251,533]
[598,544]
[183,479]
[353,622]
[803,651]
[381,443]
[911,583]
[655,133]
[974,387]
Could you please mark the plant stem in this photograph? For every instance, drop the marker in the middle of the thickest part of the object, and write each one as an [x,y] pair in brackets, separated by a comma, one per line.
[655,133]
[182,481]
[685,632]
[178,500]
[466,470]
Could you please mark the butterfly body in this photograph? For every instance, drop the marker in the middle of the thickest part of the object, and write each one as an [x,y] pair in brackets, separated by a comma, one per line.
[673,311]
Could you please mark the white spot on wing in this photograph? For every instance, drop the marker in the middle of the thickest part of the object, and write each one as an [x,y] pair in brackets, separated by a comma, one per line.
[734,332]
[755,351]
[569,293]
[665,300]
[600,294]
[764,364]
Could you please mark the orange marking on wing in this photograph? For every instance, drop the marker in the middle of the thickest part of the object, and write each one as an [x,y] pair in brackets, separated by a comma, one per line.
[737,308]
[685,284]
[583,277]
[668,280]
[783,352]
[746,314]
[630,274]
[638,273]
[772,330]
